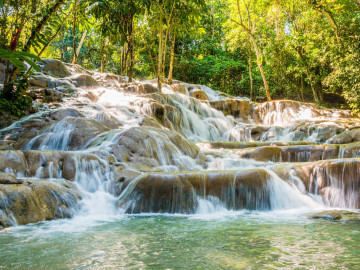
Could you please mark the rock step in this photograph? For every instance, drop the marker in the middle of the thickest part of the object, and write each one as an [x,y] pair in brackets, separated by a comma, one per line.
[28,201]
[301,153]
[336,181]
[242,145]
[177,192]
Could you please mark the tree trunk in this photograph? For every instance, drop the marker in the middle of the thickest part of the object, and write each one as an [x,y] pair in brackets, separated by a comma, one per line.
[122,60]
[309,75]
[131,50]
[51,40]
[357,2]
[164,54]
[160,56]
[302,88]
[79,47]
[103,64]
[260,65]
[150,54]
[249,30]
[74,34]
[168,22]
[172,54]
[333,25]
[42,24]
[250,76]
[48,44]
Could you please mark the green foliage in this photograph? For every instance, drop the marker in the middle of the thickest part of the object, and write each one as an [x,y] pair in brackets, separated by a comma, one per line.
[308,49]
[17,59]
[15,107]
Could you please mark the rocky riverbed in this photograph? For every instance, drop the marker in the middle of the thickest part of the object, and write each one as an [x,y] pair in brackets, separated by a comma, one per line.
[129,148]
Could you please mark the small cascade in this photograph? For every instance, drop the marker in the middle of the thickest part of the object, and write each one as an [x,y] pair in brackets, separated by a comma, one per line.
[337,183]
[95,180]
[56,138]
[200,122]
[289,196]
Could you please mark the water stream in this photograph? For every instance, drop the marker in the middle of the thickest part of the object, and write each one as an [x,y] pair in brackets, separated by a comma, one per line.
[167,181]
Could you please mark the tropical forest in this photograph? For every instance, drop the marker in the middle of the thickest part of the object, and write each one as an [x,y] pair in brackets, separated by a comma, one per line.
[179,134]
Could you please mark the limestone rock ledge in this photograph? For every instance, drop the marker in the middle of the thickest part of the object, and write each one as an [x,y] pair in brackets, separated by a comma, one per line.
[29,201]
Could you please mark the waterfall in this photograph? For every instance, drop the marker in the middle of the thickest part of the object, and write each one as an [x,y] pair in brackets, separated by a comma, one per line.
[128,148]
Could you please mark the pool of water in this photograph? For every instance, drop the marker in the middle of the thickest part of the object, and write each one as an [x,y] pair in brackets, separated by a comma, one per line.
[231,240]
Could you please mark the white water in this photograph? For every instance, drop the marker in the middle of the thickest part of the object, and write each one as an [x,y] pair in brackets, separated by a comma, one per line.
[198,122]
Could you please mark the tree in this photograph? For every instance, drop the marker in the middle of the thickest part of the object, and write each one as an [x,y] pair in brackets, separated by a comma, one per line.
[248,25]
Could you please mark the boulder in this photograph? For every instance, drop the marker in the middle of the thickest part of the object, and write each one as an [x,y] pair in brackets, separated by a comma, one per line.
[84,81]
[180,88]
[39,80]
[149,88]
[35,201]
[348,136]
[155,147]
[108,120]
[54,68]
[199,94]
[334,215]
[61,114]
[239,108]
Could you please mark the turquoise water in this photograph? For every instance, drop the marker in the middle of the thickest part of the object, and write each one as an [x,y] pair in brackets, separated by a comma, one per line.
[242,240]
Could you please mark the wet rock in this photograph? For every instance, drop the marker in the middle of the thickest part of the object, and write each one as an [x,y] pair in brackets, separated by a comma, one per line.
[76,133]
[43,164]
[158,111]
[84,81]
[35,201]
[336,181]
[107,120]
[158,194]
[235,107]
[13,162]
[39,80]
[68,166]
[149,88]
[47,95]
[63,113]
[84,130]
[348,136]
[9,179]
[150,122]
[180,88]
[54,68]
[155,147]
[199,94]
[77,69]
[174,192]
[266,153]
[334,215]
[341,139]
[330,215]
[242,145]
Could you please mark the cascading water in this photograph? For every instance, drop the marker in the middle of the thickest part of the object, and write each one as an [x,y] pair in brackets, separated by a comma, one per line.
[130,172]
[111,139]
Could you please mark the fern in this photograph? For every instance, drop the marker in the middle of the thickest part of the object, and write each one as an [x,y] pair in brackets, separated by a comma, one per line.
[18,59]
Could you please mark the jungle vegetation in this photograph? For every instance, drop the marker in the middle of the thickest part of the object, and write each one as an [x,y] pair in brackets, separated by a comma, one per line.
[305,50]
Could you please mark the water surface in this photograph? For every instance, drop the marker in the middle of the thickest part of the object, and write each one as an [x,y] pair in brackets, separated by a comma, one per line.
[233,240]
